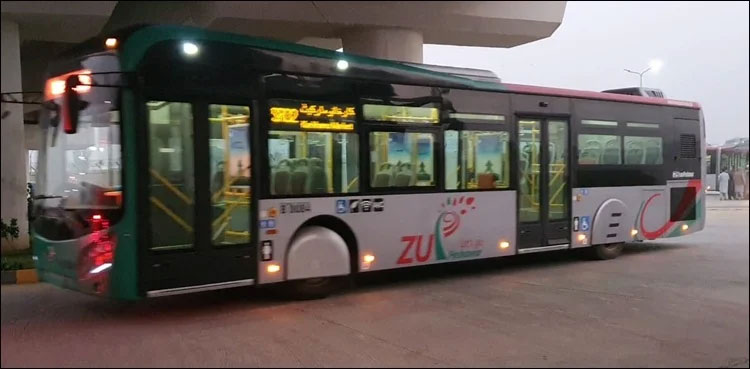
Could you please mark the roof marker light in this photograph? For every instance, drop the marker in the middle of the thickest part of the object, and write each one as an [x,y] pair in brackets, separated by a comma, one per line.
[189,48]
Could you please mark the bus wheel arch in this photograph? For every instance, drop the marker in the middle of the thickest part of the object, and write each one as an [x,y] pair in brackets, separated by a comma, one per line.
[342,228]
[320,257]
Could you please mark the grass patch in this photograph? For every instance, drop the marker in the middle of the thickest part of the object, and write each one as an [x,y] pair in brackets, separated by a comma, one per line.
[18,260]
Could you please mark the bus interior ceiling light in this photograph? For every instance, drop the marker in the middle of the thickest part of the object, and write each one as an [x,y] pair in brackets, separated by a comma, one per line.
[342,64]
[189,48]
[111,43]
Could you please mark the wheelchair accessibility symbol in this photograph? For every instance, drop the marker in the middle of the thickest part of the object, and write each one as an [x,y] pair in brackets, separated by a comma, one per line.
[585,224]
[341,206]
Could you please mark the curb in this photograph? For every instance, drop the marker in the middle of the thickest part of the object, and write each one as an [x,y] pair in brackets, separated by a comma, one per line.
[22,276]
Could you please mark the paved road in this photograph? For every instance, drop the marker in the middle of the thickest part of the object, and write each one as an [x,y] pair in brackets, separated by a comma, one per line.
[680,302]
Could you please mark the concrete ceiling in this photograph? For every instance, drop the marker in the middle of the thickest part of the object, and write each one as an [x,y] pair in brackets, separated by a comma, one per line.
[59,21]
[319,23]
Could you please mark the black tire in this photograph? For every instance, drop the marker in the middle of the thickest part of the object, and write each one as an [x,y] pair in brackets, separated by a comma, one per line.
[605,252]
[313,288]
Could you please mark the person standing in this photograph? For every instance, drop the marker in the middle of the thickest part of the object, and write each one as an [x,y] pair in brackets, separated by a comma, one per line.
[739,184]
[724,184]
[745,175]
[731,183]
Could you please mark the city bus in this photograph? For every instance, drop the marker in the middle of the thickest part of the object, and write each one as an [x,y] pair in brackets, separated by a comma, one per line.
[180,160]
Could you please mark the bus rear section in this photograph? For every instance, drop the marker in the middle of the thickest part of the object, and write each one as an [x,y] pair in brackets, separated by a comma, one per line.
[649,186]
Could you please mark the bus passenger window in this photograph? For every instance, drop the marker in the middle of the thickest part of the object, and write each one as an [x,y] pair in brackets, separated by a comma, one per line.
[484,159]
[452,176]
[399,159]
[643,150]
[313,162]
[598,149]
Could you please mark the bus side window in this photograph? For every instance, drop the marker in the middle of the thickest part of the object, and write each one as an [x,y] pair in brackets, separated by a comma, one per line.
[313,162]
[598,149]
[402,159]
[453,179]
[643,150]
[484,159]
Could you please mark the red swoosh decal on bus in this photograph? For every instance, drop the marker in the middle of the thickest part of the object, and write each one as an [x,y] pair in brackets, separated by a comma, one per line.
[684,205]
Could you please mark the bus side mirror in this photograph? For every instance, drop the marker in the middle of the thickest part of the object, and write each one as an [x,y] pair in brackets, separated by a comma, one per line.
[71,105]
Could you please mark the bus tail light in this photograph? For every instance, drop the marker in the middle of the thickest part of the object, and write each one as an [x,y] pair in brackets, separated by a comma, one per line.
[273,268]
[55,87]
[100,253]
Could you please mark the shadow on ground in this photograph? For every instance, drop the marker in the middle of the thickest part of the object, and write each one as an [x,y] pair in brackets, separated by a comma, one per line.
[251,298]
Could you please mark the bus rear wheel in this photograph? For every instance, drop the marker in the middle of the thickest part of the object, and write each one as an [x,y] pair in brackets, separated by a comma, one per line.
[312,288]
[605,252]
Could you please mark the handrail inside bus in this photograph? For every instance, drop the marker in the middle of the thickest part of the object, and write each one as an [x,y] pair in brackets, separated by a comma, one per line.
[171,187]
[171,214]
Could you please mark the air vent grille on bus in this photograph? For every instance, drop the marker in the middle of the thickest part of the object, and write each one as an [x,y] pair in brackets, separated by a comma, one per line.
[687,146]
[637,91]
[470,73]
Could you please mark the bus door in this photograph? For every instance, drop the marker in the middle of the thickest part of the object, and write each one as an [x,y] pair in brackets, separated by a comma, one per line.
[543,190]
[198,197]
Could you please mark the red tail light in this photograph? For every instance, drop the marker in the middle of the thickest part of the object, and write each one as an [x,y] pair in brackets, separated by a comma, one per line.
[100,252]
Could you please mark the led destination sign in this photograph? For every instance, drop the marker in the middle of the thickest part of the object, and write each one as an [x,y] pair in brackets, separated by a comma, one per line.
[314,116]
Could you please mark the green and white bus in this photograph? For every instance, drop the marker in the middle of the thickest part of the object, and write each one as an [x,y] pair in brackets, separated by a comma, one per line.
[180,160]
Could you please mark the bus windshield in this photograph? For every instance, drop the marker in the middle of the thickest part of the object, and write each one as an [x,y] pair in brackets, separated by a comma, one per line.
[79,173]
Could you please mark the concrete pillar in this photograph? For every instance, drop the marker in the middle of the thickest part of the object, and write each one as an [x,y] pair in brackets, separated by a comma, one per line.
[384,43]
[13,166]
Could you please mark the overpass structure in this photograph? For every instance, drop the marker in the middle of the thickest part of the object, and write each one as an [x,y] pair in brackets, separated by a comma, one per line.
[33,32]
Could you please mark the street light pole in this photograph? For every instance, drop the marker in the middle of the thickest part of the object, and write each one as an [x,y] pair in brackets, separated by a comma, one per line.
[640,75]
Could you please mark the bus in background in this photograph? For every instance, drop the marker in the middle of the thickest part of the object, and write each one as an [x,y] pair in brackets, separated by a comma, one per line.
[732,154]
[179,160]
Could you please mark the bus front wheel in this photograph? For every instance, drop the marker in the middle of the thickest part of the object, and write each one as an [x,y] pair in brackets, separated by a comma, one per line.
[605,252]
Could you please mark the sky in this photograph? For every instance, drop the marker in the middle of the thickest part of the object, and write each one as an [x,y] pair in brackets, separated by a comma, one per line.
[703,47]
